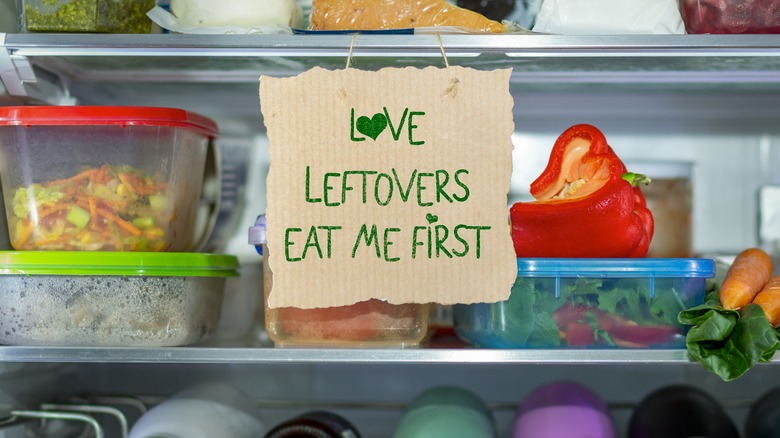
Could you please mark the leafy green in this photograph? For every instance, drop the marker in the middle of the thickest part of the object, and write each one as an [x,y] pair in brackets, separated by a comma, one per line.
[527,317]
[726,342]
[36,194]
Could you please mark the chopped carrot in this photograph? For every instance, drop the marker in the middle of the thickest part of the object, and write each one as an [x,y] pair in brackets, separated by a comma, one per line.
[75,178]
[126,181]
[750,271]
[24,235]
[127,226]
[92,210]
[769,300]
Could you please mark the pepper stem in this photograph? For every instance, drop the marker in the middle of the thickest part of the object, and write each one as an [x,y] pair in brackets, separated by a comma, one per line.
[636,178]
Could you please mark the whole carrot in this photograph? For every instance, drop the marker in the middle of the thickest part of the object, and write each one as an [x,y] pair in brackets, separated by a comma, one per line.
[769,300]
[750,271]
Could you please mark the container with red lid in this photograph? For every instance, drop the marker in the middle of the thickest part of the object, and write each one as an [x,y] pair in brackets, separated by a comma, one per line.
[103,178]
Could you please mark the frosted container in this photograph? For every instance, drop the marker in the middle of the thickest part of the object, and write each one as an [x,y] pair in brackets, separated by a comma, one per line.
[110,299]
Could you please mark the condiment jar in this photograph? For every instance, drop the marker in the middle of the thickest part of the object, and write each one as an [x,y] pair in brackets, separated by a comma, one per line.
[680,411]
[206,410]
[563,410]
[669,197]
[371,323]
[315,424]
[446,412]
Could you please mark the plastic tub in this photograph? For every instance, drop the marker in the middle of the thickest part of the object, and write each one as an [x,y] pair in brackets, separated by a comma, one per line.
[104,16]
[590,303]
[103,178]
[371,323]
[731,16]
[82,298]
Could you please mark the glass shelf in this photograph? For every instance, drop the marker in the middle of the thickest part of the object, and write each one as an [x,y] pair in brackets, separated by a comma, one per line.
[535,59]
[333,356]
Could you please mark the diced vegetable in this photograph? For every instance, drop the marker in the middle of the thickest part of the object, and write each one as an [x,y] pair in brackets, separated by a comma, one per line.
[158,202]
[78,216]
[106,208]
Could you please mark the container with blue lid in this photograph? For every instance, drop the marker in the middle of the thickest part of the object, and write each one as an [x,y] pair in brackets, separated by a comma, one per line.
[590,303]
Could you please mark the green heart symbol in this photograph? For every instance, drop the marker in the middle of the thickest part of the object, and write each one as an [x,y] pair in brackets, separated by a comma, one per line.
[431,218]
[372,127]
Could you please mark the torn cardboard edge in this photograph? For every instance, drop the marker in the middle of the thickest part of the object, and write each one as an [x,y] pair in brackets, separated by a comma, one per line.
[389,185]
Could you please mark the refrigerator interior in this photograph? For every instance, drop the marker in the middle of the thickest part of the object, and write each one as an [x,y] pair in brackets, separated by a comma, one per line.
[724,127]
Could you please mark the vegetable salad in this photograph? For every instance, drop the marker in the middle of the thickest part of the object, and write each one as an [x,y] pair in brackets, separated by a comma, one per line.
[110,208]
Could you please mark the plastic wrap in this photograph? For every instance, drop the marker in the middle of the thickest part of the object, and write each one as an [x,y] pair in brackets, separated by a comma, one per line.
[731,16]
[399,14]
[599,17]
[236,16]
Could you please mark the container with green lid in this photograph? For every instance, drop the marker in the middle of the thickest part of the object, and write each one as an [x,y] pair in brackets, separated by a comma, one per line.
[129,299]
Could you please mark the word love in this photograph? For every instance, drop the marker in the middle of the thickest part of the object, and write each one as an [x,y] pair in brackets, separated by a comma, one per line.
[375,125]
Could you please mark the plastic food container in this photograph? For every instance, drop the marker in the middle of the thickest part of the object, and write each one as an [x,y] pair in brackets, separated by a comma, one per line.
[83,298]
[104,16]
[103,178]
[590,303]
[731,16]
[371,323]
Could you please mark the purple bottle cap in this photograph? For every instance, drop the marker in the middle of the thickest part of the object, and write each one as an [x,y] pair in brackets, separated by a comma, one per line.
[563,410]
[563,393]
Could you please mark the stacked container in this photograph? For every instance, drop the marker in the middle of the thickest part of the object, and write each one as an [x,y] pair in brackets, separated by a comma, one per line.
[102,211]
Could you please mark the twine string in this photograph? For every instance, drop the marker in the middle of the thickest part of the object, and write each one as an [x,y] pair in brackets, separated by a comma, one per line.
[351,47]
[443,53]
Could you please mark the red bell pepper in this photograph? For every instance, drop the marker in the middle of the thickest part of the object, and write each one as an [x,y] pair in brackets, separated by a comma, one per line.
[581,325]
[585,204]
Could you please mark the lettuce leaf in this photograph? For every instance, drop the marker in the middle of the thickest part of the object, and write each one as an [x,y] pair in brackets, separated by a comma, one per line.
[36,194]
[726,342]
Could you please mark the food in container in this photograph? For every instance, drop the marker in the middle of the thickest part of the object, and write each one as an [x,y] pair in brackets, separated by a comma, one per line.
[590,303]
[85,298]
[100,16]
[669,197]
[372,323]
[731,16]
[103,178]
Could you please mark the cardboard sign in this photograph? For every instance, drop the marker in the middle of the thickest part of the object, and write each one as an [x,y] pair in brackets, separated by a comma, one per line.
[390,185]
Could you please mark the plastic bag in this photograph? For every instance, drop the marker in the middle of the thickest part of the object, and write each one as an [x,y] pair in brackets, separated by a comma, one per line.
[236,16]
[599,17]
